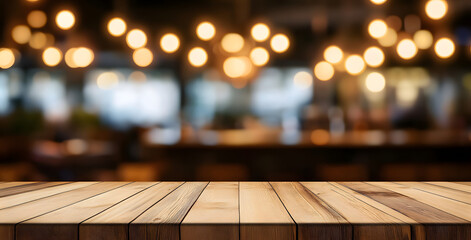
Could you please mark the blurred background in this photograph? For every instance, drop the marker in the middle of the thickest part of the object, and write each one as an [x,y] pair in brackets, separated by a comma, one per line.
[235,90]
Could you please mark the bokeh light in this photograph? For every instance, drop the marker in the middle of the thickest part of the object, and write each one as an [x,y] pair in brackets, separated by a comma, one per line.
[303,79]
[374,56]
[436,9]
[377,28]
[406,49]
[323,71]
[142,57]
[21,34]
[38,40]
[389,39]
[82,57]
[52,56]
[354,65]
[333,54]
[197,57]
[169,43]
[378,2]
[412,23]
[423,39]
[259,56]
[232,42]
[69,58]
[36,19]
[236,67]
[107,80]
[444,47]
[116,27]
[394,22]
[7,58]
[65,19]
[260,32]
[320,137]
[136,38]
[375,82]
[205,31]
[279,43]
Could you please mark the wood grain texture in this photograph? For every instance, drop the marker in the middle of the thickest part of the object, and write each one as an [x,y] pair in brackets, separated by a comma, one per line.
[13,184]
[62,224]
[162,221]
[368,222]
[441,191]
[27,187]
[215,215]
[16,214]
[314,218]
[113,222]
[425,214]
[452,185]
[262,214]
[21,198]
[465,183]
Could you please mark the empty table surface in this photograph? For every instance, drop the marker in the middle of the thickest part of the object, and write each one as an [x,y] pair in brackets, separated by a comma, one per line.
[235,210]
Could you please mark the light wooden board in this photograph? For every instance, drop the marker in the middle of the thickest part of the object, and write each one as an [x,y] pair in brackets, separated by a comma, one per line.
[314,217]
[441,191]
[113,222]
[13,184]
[452,185]
[27,187]
[162,221]
[368,222]
[215,215]
[262,214]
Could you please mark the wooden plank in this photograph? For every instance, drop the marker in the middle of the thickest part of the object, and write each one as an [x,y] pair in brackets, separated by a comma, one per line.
[314,218]
[368,222]
[262,214]
[423,213]
[465,183]
[13,184]
[438,190]
[162,221]
[21,198]
[16,214]
[452,185]
[113,223]
[62,224]
[28,187]
[215,215]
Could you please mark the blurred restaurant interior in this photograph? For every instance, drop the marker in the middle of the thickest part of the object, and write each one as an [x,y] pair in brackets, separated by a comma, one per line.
[235,90]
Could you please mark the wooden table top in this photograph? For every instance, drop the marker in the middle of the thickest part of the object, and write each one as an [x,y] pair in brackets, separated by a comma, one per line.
[235,210]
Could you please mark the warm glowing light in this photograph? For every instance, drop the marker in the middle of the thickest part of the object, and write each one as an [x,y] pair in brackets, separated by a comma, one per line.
[117,27]
[137,76]
[423,39]
[82,57]
[136,38]
[236,67]
[436,9]
[303,79]
[389,39]
[260,32]
[375,82]
[324,71]
[354,65]
[232,42]
[333,54]
[406,49]
[377,28]
[37,19]
[374,56]
[142,57]
[279,43]
[169,43]
[65,19]
[259,56]
[38,40]
[320,137]
[69,58]
[52,56]
[21,34]
[378,2]
[107,80]
[444,48]
[197,57]
[205,31]
[406,93]
[7,58]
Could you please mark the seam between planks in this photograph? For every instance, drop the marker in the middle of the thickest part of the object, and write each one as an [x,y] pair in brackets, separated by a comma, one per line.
[431,183]
[282,203]
[189,209]
[444,196]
